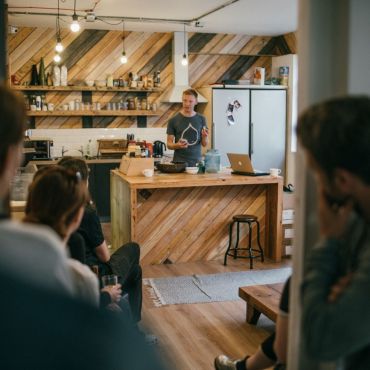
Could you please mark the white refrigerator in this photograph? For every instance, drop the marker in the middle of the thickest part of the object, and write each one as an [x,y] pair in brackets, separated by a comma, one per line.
[250,121]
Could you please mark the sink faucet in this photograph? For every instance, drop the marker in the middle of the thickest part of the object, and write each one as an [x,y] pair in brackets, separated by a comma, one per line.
[64,151]
[81,150]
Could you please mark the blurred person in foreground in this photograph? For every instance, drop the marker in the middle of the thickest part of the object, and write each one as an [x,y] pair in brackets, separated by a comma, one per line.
[41,328]
[336,317]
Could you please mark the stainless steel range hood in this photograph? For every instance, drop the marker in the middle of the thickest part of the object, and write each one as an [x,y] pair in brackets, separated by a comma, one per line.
[180,72]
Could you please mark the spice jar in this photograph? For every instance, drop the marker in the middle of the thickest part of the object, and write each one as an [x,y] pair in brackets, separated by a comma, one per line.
[131,103]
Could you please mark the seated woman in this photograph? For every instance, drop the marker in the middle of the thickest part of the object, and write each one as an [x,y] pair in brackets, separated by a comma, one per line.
[56,198]
[125,262]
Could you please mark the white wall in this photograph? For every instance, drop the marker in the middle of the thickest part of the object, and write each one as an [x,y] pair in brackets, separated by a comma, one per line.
[74,139]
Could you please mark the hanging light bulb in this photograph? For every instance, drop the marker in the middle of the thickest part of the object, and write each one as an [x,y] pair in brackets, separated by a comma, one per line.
[123,58]
[75,26]
[57,58]
[184,60]
[59,47]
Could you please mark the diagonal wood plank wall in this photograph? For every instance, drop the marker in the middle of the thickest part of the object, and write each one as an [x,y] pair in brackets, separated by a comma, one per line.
[92,54]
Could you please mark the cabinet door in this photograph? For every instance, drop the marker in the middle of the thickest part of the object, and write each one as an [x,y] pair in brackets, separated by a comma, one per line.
[102,188]
[268,129]
[228,137]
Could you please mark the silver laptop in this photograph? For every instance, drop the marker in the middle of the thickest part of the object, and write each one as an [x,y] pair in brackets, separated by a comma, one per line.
[242,165]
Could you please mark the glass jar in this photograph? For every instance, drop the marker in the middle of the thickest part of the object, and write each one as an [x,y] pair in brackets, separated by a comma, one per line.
[212,161]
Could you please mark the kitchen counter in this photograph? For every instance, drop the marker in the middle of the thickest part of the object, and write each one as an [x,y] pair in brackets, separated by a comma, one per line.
[183,217]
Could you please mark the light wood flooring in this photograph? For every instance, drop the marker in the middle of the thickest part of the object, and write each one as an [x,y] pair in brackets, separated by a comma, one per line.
[191,335]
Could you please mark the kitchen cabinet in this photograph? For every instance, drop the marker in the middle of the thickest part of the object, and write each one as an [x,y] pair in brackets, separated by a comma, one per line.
[99,187]
[249,120]
[86,97]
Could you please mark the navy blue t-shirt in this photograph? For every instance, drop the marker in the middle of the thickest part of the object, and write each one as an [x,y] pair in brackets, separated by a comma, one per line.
[189,128]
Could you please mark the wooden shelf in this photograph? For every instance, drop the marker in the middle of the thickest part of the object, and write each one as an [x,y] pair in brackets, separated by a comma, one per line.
[93,113]
[82,88]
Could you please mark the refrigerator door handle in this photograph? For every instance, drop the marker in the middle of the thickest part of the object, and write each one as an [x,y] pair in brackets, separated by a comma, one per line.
[213,135]
[251,138]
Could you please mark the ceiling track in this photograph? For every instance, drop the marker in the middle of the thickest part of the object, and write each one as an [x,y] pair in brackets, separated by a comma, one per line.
[132,19]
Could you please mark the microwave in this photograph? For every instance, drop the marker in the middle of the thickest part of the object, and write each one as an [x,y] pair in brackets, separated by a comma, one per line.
[37,148]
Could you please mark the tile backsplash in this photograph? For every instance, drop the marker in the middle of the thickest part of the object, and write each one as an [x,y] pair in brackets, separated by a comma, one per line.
[76,140]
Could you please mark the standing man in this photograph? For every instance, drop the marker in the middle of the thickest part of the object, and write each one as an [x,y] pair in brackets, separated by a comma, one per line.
[187,131]
[336,315]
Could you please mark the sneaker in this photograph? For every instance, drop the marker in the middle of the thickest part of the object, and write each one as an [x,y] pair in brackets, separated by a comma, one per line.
[223,362]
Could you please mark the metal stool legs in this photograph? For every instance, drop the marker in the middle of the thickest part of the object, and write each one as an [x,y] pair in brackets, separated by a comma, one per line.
[234,251]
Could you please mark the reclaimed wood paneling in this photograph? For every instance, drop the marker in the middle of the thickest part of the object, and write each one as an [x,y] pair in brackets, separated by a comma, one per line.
[177,218]
[92,54]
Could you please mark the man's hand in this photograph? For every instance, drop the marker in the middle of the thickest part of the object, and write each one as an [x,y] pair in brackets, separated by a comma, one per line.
[338,288]
[115,292]
[182,144]
[204,132]
[333,219]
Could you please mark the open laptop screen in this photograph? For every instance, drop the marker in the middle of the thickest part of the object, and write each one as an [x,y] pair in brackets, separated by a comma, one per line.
[242,165]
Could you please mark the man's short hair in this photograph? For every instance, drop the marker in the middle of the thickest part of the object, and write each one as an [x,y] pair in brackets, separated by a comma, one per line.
[337,135]
[190,92]
[77,165]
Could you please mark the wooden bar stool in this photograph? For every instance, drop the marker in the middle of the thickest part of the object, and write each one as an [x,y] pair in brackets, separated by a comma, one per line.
[252,253]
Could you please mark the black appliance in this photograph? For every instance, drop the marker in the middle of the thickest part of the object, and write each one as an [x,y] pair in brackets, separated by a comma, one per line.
[159,147]
[37,149]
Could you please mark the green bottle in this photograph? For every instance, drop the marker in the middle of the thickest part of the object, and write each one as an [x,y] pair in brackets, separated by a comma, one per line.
[42,75]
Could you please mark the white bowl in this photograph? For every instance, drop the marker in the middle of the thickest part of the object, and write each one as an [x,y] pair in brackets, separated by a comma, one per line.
[89,83]
[191,170]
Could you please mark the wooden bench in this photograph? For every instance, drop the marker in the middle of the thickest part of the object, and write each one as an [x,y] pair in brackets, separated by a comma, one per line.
[261,299]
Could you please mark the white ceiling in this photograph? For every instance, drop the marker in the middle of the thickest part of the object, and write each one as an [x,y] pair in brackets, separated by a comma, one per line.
[249,17]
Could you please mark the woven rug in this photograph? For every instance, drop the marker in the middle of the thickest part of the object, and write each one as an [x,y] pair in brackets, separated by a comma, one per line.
[209,288]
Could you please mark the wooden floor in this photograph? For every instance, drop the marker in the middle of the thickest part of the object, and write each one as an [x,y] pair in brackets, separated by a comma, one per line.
[191,335]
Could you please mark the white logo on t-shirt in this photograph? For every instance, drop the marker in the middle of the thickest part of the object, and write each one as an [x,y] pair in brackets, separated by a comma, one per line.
[190,135]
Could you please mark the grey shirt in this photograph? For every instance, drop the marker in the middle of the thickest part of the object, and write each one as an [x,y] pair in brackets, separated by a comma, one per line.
[189,128]
[339,330]
[36,255]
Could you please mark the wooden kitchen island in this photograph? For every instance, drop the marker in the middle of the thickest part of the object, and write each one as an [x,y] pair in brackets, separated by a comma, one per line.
[182,217]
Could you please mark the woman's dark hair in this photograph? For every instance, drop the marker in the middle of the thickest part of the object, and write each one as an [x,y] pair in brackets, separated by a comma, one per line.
[337,135]
[54,198]
[12,122]
[77,165]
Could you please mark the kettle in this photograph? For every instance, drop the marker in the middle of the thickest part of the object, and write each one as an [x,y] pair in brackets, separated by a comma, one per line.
[159,147]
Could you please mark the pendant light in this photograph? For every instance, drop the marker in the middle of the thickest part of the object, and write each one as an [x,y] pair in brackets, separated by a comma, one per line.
[123,58]
[75,26]
[58,47]
[184,60]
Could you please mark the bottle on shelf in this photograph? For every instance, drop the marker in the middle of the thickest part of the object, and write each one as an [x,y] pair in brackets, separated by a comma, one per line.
[38,102]
[34,75]
[157,79]
[42,75]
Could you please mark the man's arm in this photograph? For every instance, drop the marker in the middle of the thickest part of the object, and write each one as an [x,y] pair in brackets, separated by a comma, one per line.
[335,329]
[204,136]
[102,252]
[172,145]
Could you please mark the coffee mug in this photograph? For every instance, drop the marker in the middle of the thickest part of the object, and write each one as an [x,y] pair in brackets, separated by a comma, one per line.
[275,172]
[148,172]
